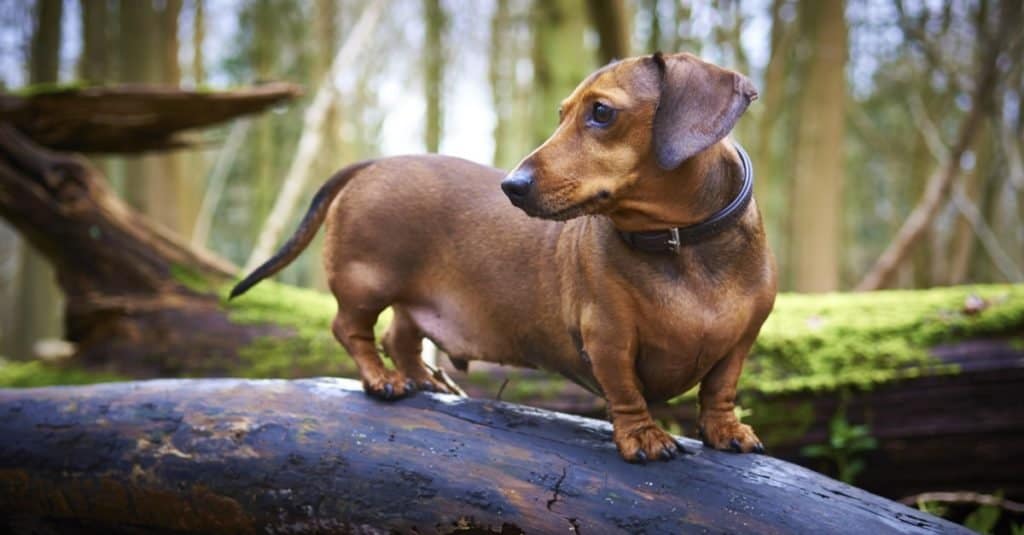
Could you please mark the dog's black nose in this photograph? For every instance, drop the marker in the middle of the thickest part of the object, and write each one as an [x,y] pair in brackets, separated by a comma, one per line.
[518,185]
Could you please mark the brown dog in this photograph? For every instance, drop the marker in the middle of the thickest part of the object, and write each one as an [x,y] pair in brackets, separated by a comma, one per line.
[660,278]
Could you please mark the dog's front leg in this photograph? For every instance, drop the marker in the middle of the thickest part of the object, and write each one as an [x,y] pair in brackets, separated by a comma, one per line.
[612,351]
[719,426]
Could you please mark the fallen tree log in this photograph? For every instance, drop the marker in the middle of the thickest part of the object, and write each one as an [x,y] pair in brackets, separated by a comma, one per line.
[140,302]
[233,456]
[130,118]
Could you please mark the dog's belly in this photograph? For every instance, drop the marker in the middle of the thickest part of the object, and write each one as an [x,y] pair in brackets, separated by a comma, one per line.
[466,330]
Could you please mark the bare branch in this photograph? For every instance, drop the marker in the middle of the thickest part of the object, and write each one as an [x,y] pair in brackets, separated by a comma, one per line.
[964,497]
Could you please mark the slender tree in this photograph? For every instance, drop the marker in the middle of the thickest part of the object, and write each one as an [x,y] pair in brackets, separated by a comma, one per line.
[93,63]
[611,19]
[501,75]
[198,38]
[560,60]
[818,180]
[433,79]
[38,299]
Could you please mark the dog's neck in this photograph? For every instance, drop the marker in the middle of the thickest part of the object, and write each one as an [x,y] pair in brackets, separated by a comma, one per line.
[689,194]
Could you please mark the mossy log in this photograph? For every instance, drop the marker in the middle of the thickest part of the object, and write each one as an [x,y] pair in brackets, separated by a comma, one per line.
[139,301]
[129,118]
[236,456]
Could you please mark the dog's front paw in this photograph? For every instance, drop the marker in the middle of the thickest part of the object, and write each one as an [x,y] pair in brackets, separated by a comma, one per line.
[645,443]
[728,434]
[389,385]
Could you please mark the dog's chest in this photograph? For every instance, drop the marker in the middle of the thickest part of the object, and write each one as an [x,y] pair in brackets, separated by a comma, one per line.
[682,335]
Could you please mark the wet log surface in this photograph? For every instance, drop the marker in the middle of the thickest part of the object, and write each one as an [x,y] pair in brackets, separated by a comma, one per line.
[131,118]
[231,456]
[959,431]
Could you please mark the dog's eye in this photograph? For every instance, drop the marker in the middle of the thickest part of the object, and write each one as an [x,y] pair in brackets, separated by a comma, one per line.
[602,115]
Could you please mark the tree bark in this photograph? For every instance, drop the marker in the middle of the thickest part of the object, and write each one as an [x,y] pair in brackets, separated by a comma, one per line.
[319,456]
[130,119]
[818,180]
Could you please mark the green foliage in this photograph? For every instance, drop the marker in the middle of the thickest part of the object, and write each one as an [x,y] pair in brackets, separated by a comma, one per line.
[14,374]
[984,518]
[933,508]
[846,443]
[305,313]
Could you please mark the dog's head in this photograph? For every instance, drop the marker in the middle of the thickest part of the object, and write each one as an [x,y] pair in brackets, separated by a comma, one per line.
[629,119]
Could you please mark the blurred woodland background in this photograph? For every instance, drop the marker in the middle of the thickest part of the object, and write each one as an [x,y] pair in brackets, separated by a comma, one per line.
[870,111]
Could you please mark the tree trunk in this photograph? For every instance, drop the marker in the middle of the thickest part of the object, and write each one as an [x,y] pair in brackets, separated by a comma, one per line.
[654,34]
[173,200]
[773,178]
[320,456]
[611,20]
[972,184]
[93,64]
[818,180]
[559,60]
[433,72]
[198,38]
[500,74]
[38,301]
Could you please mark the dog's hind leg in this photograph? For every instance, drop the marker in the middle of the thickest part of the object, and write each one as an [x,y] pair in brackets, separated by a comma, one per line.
[403,342]
[353,328]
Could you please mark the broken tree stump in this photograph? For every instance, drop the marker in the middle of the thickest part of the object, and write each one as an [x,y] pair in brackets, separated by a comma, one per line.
[317,455]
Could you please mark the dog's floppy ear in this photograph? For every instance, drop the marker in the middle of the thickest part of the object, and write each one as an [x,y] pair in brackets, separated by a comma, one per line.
[699,104]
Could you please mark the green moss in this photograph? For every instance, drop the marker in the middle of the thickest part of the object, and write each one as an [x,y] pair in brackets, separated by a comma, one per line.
[49,87]
[16,374]
[810,342]
[306,313]
[836,340]
[521,387]
[192,279]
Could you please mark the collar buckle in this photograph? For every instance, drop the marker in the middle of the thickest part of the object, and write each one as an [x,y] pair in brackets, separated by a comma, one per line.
[673,243]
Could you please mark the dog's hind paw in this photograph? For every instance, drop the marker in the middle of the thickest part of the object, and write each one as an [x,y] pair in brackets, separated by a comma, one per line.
[646,443]
[389,386]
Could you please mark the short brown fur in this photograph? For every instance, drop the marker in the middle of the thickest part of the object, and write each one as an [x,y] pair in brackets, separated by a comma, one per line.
[434,238]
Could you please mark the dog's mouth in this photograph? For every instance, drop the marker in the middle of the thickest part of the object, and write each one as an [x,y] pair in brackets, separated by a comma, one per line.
[591,205]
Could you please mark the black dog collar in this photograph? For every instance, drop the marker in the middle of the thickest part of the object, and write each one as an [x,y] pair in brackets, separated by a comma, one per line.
[670,240]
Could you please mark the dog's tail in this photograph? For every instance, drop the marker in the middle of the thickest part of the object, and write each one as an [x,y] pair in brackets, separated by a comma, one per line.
[310,224]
